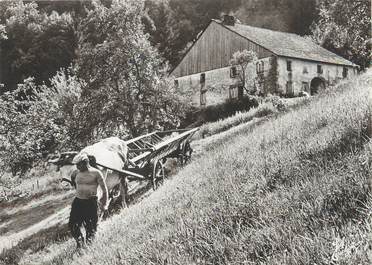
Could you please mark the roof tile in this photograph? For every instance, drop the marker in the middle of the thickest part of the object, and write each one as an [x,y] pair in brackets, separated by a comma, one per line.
[287,44]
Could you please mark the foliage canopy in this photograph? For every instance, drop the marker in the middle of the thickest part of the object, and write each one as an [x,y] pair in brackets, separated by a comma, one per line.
[345,28]
[33,43]
[127,90]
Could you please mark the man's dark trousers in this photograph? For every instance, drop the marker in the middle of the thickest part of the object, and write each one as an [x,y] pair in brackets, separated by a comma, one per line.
[83,212]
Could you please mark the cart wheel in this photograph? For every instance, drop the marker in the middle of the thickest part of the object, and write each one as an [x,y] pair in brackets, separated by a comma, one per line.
[186,153]
[114,201]
[157,174]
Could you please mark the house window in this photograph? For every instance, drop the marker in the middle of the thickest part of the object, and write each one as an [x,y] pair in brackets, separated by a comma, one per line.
[233,72]
[344,72]
[289,66]
[260,67]
[202,78]
[203,97]
[233,92]
[305,87]
[319,69]
[305,71]
[176,83]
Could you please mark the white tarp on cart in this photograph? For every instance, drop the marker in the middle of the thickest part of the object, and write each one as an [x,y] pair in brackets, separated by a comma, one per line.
[110,152]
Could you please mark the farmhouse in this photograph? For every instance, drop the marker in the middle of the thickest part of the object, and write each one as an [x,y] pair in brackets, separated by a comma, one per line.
[287,63]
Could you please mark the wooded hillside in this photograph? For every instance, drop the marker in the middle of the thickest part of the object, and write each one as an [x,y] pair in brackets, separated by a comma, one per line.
[173,25]
[76,73]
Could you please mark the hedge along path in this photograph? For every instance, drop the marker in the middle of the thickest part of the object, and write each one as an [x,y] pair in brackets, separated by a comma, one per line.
[191,218]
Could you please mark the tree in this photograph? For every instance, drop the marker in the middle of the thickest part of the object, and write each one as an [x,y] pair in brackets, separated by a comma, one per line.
[242,59]
[270,82]
[36,44]
[344,27]
[3,35]
[126,92]
[302,14]
[178,22]
[159,24]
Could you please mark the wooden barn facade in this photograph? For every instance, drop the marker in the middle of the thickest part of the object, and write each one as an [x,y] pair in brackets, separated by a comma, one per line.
[298,64]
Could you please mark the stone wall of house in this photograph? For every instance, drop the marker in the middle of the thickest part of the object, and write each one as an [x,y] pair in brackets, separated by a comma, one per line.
[298,76]
[218,82]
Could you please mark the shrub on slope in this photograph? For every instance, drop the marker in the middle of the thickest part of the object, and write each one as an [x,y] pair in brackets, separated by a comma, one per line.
[291,191]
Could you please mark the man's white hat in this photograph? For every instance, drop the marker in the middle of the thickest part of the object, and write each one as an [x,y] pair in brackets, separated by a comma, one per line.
[80,157]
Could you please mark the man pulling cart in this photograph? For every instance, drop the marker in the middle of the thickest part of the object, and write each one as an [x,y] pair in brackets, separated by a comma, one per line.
[111,163]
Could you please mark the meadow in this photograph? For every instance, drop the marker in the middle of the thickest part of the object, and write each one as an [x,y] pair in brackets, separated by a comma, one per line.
[293,190]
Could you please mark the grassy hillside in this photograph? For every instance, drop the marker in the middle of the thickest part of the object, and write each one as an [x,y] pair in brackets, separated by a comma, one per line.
[271,106]
[294,190]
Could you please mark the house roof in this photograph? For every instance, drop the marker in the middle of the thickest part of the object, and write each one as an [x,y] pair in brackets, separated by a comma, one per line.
[287,44]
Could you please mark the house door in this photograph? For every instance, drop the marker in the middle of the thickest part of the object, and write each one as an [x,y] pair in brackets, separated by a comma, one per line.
[289,88]
[316,85]
[240,91]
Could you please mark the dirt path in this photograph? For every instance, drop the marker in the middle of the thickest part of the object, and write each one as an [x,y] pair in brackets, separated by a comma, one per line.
[18,223]
[41,221]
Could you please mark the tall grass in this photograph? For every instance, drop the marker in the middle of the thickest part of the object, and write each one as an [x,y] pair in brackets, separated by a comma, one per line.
[294,190]
[212,128]
[265,109]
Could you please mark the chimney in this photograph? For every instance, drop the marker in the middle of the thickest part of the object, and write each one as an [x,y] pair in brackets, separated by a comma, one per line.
[228,20]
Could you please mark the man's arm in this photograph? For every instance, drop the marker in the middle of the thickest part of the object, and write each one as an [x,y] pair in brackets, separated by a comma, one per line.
[72,179]
[102,184]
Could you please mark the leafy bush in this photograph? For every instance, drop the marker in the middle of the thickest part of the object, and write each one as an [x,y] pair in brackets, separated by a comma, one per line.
[219,111]
[36,120]
[277,102]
